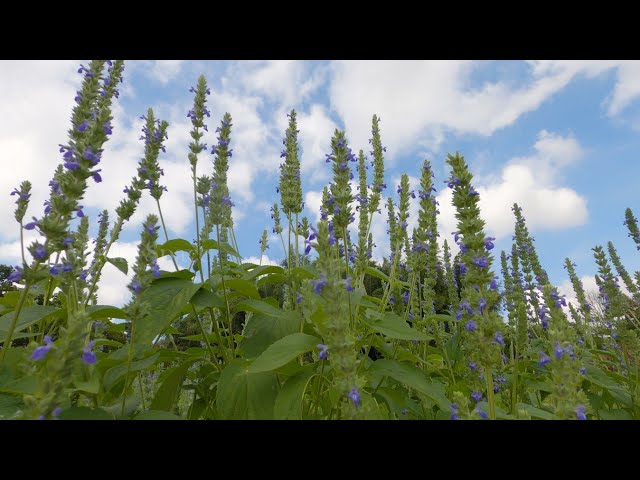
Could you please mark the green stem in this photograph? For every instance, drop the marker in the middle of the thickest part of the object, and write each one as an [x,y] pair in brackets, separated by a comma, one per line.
[490,395]
[14,322]
[226,300]
[166,236]
[144,407]
[114,235]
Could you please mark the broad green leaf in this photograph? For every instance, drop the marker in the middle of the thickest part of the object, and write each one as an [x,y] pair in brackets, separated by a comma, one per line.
[615,414]
[173,246]
[92,386]
[20,386]
[246,396]
[374,272]
[106,311]
[412,377]
[535,412]
[120,263]
[283,351]
[84,413]
[392,326]
[262,270]
[157,415]
[600,378]
[214,245]
[186,274]
[166,297]
[28,316]
[288,404]
[259,306]
[116,373]
[10,405]
[167,395]
[206,298]
[245,287]
[263,330]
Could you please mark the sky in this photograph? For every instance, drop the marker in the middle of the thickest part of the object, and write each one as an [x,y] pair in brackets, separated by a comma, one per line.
[560,138]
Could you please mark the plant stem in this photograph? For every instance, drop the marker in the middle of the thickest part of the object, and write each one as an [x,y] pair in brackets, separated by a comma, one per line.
[226,300]
[14,322]
[166,236]
[490,394]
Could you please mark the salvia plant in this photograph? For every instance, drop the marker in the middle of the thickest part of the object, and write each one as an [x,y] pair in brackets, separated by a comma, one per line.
[436,330]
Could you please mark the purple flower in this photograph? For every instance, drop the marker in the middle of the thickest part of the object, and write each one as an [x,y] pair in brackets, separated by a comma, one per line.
[55,270]
[476,396]
[57,411]
[39,252]
[135,286]
[83,126]
[16,275]
[482,413]
[494,284]
[299,297]
[470,326]
[558,351]
[481,262]
[319,284]
[488,243]
[473,366]
[499,339]
[32,225]
[354,396]
[482,304]
[79,212]
[96,176]
[472,192]
[41,351]
[454,411]
[580,409]
[323,351]
[405,297]
[155,270]
[107,128]
[544,359]
[67,241]
[228,201]
[88,357]
[348,285]
[583,371]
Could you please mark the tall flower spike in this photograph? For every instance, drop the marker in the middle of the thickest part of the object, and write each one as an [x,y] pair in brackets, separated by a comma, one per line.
[290,185]
[632,225]
[378,165]
[340,188]
[149,171]
[220,212]
[626,278]
[363,208]
[22,202]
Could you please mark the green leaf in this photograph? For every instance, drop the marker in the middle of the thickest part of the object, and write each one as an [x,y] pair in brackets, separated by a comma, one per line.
[262,270]
[214,245]
[21,386]
[534,411]
[166,297]
[157,415]
[246,396]
[259,306]
[84,413]
[116,373]
[600,378]
[28,317]
[392,326]
[173,246]
[374,272]
[167,395]
[186,274]
[106,311]
[412,377]
[615,414]
[92,386]
[283,351]
[263,330]
[242,286]
[207,299]
[288,404]
[120,263]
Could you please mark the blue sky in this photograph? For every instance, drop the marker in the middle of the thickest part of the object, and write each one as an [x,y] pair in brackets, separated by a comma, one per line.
[558,137]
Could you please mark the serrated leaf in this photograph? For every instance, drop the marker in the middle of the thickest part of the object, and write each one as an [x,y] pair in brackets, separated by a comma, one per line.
[28,316]
[392,326]
[288,405]
[120,263]
[283,351]
[246,396]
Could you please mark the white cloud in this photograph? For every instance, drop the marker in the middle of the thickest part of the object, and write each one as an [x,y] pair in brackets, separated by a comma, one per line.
[256,260]
[532,182]
[418,99]
[164,70]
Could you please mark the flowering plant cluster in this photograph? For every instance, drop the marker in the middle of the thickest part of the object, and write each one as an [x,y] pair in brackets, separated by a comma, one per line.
[438,330]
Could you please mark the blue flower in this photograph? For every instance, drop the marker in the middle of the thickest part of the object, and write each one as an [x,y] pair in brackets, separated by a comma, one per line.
[476,396]
[348,285]
[319,284]
[482,413]
[558,351]
[155,270]
[405,297]
[96,176]
[39,252]
[482,304]
[16,275]
[472,192]
[488,243]
[107,128]
[323,351]
[32,225]
[41,351]
[135,286]
[544,359]
[83,126]
[88,357]
[494,284]
[454,411]
[580,409]
[583,371]
[228,201]
[299,297]
[354,396]
[499,339]
[470,326]
[473,366]
[481,262]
